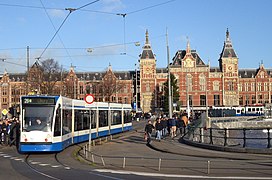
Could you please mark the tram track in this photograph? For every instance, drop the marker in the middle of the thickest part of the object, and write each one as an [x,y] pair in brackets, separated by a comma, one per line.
[32,164]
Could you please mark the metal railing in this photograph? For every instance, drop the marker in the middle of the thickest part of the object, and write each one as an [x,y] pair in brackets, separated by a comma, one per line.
[239,137]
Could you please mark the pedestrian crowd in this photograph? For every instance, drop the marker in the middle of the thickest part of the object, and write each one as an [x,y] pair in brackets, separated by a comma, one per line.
[164,126]
[9,132]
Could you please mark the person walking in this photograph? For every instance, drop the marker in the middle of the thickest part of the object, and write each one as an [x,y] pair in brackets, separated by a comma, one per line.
[148,130]
[159,128]
[173,126]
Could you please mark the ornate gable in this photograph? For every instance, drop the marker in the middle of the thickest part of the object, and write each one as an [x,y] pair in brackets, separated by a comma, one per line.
[261,72]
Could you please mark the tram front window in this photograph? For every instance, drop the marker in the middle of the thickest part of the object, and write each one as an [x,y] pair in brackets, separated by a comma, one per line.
[38,119]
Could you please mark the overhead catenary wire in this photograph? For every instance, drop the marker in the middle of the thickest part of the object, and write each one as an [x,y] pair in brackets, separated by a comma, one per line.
[70,11]
[56,30]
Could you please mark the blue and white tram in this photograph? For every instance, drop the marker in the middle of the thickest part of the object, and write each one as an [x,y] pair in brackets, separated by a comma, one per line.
[51,123]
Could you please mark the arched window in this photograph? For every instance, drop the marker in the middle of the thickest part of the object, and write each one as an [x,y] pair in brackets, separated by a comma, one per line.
[202,82]
[189,82]
[216,85]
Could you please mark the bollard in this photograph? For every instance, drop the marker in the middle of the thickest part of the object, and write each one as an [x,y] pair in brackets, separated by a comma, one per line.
[93,142]
[102,160]
[84,150]
[159,164]
[202,135]
[92,158]
[268,138]
[124,162]
[208,167]
[87,152]
[110,137]
[106,139]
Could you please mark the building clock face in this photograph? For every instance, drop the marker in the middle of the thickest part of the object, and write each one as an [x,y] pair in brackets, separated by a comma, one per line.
[188,63]
[148,69]
[229,67]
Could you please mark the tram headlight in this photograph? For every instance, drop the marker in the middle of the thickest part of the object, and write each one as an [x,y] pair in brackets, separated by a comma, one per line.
[24,138]
[48,137]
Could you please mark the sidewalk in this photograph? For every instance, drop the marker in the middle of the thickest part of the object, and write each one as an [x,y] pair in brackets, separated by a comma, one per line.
[129,152]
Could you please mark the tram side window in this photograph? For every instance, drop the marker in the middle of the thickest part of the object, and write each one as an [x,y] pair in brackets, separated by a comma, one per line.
[57,128]
[103,118]
[116,117]
[86,120]
[93,114]
[67,121]
[127,117]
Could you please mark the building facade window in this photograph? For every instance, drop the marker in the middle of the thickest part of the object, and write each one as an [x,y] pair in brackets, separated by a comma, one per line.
[240,87]
[246,86]
[253,99]
[252,86]
[189,82]
[147,87]
[247,99]
[216,100]
[216,85]
[230,85]
[240,100]
[202,82]
[259,86]
[190,100]
[260,98]
[202,100]
[266,86]
[81,90]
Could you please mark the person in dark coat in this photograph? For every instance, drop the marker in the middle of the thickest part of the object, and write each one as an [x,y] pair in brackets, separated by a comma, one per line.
[148,130]
[4,131]
[14,133]
[158,127]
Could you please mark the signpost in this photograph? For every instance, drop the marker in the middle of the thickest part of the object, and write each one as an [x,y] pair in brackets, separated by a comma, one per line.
[89,99]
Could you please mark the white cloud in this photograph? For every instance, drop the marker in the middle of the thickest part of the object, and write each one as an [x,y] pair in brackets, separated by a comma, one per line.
[57,13]
[112,5]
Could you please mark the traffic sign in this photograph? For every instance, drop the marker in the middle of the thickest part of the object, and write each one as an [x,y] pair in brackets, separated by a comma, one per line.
[5,112]
[89,98]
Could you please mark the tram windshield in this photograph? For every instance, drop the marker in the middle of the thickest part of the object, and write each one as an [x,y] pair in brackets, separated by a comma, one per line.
[38,118]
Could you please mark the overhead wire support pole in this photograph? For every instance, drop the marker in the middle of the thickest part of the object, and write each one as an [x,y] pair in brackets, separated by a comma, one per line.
[169,79]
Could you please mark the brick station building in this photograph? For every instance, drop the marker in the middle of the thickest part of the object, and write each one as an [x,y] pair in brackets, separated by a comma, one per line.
[225,85]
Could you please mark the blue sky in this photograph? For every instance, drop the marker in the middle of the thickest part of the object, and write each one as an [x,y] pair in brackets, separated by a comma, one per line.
[204,22]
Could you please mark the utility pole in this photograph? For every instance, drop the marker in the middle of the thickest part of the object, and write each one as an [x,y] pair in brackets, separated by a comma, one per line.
[136,89]
[169,79]
[27,65]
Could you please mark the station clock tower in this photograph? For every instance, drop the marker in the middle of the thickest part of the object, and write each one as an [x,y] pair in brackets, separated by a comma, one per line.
[148,76]
[228,63]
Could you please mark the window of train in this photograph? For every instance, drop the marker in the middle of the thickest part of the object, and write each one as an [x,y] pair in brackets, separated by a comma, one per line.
[93,114]
[57,127]
[116,117]
[67,121]
[82,120]
[103,118]
[127,117]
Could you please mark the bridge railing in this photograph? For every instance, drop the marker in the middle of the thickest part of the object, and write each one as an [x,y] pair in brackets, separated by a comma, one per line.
[239,137]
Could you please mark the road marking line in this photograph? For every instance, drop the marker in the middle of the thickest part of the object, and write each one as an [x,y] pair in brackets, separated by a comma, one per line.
[67,168]
[33,162]
[176,175]
[6,156]
[55,166]
[44,164]
[18,159]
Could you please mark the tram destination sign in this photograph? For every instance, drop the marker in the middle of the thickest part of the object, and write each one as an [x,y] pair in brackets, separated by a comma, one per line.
[36,100]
